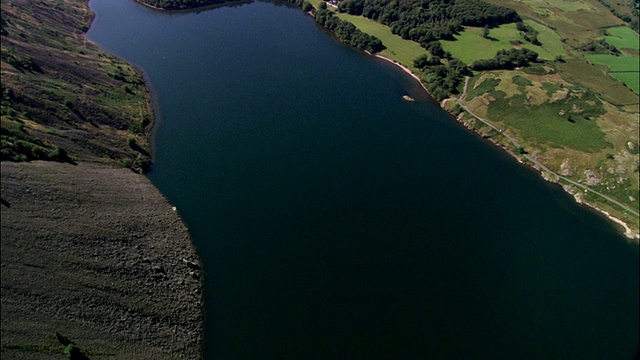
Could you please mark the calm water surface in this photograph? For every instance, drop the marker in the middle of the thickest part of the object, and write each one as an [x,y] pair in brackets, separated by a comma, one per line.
[337,221]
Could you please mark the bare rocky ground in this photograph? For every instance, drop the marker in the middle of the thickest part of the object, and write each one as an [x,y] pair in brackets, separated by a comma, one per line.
[97,254]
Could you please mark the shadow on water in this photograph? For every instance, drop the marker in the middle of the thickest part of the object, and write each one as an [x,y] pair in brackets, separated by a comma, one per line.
[216,5]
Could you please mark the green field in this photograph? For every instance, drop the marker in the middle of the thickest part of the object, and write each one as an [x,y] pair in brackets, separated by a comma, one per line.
[567,5]
[316,3]
[398,49]
[577,21]
[551,41]
[471,46]
[631,79]
[616,63]
[568,122]
[623,38]
[544,123]
[623,68]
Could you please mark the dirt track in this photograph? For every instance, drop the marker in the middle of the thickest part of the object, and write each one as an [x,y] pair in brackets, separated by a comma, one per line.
[97,254]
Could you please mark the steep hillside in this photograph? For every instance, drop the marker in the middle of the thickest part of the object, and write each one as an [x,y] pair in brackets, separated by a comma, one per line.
[98,255]
[91,252]
[63,98]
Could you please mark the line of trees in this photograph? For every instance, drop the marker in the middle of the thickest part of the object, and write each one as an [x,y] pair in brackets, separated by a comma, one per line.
[600,46]
[347,32]
[633,20]
[506,60]
[528,33]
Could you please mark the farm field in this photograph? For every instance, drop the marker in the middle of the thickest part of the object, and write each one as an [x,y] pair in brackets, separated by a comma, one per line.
[616,63]
[631,79]
[471,46]
[623,68]
[623,38]
[576,21]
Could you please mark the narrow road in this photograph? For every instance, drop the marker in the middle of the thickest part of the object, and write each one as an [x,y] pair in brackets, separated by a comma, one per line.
[460,102]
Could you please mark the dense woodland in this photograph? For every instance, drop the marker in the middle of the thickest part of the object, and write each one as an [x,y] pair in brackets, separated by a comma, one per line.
[425,21]
[442,77]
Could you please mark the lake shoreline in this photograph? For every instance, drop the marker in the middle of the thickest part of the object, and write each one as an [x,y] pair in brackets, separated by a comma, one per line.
[626,230]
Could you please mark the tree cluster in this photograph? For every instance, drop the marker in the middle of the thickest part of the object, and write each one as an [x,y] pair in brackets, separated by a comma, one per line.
[633,20]
[528,33]
[600,46]
[442,78]
[506,60]
[424,21]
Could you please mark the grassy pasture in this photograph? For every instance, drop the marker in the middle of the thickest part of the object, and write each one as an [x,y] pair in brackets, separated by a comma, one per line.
[551,41]
[486,85]
[622,7]
[316,4]
[471,46]
[398,49]
[564,121]
[577,21]
[623,68]
[544,123]
[594,76]
[616,63]
[566,5]
[623,38]
[631,79]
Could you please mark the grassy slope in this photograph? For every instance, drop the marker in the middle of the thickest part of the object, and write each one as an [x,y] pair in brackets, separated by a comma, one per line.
[623,38]
[625,68]
[631,79]
[69,263]
[616,63]
[470,45]
[59,90]
[398,49]
[575,119]
[578,21]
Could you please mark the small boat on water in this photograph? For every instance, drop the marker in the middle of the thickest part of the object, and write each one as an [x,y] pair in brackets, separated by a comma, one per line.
[408,98]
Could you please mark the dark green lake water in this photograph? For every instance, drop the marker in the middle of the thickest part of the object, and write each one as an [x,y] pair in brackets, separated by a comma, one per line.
[337,221]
